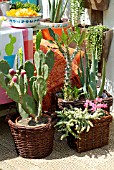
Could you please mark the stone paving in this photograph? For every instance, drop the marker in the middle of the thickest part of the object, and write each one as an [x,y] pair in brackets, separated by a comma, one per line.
[62,157]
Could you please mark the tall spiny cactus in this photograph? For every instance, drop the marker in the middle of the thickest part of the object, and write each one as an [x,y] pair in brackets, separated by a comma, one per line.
[63,43]
[16,83]
[89,77]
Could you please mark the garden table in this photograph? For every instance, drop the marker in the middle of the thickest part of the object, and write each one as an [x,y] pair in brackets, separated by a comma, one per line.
[11,39]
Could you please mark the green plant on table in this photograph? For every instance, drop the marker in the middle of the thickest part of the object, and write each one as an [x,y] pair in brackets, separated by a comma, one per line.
[95,39]
[18,5]
[56,10]
[89,77]
[75,120]
[16,83]
[63,43]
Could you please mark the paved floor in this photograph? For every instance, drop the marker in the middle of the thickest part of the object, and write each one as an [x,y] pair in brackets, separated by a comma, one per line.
[62,157]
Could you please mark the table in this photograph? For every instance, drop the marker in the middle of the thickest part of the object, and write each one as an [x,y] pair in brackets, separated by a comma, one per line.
[12,39]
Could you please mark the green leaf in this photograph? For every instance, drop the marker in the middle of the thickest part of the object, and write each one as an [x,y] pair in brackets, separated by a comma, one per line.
[29,68]
[4,67]
[38,40]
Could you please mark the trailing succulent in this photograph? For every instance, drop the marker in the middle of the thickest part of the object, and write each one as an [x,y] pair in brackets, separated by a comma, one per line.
[95,39]
[63,43]
[76,120]
[89,77]
[28,76]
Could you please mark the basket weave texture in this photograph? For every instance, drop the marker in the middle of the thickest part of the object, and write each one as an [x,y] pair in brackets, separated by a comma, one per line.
[33,142]
[97,136]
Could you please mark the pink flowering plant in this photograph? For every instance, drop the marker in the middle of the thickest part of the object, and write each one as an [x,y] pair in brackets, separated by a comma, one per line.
[76,120]
[95,105]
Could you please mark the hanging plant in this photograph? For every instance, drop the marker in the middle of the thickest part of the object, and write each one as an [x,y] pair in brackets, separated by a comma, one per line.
[95,39]
[76,11]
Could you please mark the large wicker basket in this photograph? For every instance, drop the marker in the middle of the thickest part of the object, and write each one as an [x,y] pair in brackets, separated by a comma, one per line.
[32,142]
[97,136]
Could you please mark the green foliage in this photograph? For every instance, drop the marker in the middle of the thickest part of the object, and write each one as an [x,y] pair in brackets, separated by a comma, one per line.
[89,77]
[76,10]
[95,39]
[56,9]
[18,5]
[75,120]
[63,43]
[19,81]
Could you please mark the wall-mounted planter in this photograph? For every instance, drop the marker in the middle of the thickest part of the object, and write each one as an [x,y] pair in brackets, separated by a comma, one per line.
[100,5]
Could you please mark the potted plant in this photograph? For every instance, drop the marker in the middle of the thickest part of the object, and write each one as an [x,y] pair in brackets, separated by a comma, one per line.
[85,129]
[100,37]
[76,10]
[70,92]
[55,21]
[89,80]
[33,131]
[88,77]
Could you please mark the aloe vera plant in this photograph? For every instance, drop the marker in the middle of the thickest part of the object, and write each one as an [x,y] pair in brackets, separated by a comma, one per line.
[89,77]
[56,10]
[16,83]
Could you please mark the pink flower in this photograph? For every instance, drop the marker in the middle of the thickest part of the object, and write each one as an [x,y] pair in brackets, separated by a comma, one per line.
[98,100]
[86,103]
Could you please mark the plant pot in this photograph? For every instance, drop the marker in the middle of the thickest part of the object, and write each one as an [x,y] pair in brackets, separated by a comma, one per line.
[56,27]
[108,99]
[100,5]
[33,141]
[97,136]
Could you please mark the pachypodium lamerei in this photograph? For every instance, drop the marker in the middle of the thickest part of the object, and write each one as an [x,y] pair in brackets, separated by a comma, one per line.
[28,84]
[63,43]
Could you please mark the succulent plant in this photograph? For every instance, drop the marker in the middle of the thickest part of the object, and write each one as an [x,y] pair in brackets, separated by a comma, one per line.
[63,43]
[16,83]
[89,77]
[56,10]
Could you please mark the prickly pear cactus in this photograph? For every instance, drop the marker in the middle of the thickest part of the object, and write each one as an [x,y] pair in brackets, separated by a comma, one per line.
[16,83]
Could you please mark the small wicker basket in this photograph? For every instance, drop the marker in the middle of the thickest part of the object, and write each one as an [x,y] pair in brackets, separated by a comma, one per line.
[97,136]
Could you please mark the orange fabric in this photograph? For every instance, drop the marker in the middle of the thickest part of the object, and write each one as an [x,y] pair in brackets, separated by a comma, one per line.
[56,77]
[57,31]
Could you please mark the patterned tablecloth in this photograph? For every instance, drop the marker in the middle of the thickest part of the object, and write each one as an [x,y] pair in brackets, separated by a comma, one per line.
[11,39]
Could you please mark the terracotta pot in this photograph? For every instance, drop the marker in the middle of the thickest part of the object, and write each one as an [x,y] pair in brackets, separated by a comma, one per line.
[56,27]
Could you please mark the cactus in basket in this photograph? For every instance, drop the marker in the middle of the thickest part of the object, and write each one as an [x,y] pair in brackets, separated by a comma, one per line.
[89,77]
[16,83]
[63,43]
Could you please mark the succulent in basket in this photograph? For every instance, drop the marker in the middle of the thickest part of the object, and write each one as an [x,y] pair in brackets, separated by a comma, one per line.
[63,42]
[56,9]
[16,83]
[77,120]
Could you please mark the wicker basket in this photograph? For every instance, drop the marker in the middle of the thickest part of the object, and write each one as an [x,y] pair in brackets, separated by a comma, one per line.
[32,142]
[97,136]
[80,103]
